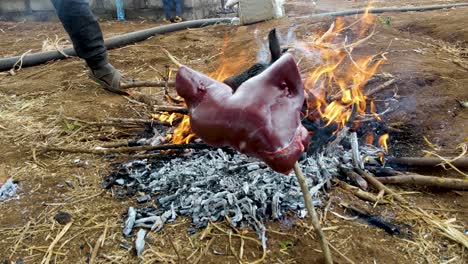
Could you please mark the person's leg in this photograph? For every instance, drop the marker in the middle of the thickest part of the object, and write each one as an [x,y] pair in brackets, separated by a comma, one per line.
[87,39]
[178,8]
[84,31]
[167,9]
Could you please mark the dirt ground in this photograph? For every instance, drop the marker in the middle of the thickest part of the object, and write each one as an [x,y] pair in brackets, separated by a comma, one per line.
[427,53]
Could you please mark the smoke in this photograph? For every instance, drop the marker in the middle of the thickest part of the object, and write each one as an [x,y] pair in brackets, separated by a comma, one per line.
[287,41]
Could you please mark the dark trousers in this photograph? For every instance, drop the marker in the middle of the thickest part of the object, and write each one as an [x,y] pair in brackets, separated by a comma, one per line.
[168,6]
[83,29]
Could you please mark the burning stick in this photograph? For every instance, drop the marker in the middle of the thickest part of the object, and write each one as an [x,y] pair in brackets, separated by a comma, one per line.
[312,213]
[429,181]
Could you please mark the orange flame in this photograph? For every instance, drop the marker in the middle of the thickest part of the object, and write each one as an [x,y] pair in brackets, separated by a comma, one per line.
[333,89]
[383,142]
[339,74]
[228,66]
[372,110]
[182,133]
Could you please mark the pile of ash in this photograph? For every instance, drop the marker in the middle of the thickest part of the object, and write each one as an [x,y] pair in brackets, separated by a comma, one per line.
[209,185]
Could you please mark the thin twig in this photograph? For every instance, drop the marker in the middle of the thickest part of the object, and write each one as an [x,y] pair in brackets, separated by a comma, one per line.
[49,251]
[138,120]
[207,247]
[137,84]
[169,55]
[20,239]
[381,87]
[179,258]
[98,244]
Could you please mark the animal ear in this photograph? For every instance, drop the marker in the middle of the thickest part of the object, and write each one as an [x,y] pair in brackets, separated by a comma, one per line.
[275,48]
[191,85]
[285,71]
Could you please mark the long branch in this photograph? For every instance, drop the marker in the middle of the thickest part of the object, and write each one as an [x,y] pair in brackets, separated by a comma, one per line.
[429,181]
[104,151]
[427,162]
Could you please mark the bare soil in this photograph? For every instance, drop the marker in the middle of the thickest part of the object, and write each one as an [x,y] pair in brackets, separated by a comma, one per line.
[426,52]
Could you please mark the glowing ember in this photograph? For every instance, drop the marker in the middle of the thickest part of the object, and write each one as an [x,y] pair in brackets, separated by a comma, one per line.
[383,142]
[370,138]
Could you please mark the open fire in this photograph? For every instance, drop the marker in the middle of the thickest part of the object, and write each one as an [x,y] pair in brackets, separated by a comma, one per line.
[208,185]
[333,86]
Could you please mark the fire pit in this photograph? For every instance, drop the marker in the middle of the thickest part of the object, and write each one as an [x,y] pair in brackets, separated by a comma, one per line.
[214,184]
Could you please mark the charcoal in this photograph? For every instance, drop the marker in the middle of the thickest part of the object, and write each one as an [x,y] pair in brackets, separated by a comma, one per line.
[63,218]
[143,199]
[126,245]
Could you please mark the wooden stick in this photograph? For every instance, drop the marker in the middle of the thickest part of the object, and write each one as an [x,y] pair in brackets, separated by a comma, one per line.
[137,84]
[429,181]
[171,109]
[104,151]
[138,120]
[312,213]
[371,179]
[366,196]
[120,144]
[381,87]
[172,58]
[356,178]
[427,162]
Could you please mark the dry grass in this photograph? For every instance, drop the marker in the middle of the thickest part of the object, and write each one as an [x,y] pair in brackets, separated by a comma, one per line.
[28,230]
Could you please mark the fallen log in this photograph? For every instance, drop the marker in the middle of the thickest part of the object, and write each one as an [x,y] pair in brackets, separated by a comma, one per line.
[428,181]
[426,162]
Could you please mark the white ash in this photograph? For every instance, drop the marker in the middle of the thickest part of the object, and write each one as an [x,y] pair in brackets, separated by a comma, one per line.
[209,185]
[8,189]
